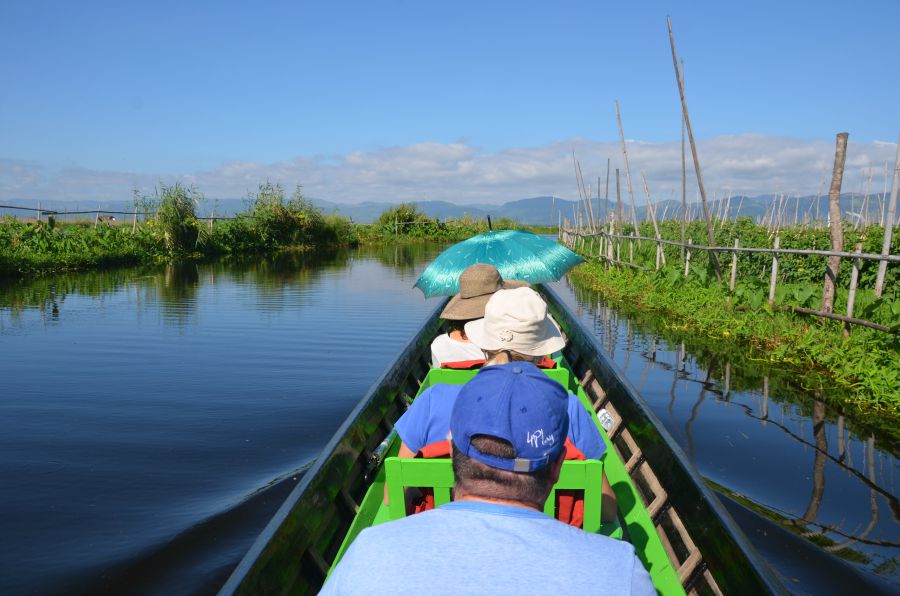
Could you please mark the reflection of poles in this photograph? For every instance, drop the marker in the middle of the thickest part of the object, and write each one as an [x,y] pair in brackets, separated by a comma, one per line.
[818,465]
[672,388]
[765,405]
[643,378]
[687,427]
[628,344]
[727,392]
[873,503]
[840,434]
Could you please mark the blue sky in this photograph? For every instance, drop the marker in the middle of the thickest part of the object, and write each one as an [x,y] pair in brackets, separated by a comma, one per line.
[360,100]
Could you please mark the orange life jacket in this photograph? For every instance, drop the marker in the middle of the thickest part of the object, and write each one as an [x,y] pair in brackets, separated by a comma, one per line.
[546,362]
[569,503]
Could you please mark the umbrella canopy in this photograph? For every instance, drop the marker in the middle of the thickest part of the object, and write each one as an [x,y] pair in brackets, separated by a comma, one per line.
[516,253]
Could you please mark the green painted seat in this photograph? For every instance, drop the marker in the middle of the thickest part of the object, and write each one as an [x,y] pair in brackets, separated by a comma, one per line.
[460,377]
[437,474]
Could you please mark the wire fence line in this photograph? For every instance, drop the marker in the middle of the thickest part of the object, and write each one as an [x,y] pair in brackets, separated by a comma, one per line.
[42,212]
[733,249]
[609,249]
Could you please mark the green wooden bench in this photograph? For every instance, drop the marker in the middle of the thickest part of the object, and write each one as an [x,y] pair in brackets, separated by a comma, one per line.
[437,474]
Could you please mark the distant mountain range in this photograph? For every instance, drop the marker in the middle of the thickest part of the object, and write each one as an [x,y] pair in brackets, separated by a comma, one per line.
[535,210]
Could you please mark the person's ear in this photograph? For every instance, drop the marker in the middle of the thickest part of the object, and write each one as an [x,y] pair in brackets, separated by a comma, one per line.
[556,467]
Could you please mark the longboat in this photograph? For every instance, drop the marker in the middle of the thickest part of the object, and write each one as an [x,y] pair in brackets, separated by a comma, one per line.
[681,532]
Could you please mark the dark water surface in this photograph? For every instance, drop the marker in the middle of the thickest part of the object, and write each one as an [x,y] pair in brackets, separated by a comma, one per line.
[815,491]
[152,420]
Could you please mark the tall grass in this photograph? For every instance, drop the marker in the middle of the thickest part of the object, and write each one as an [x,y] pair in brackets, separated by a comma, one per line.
[177,218]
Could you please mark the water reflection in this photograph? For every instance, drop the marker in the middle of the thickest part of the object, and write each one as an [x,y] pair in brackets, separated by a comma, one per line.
[761,435]
[215,389]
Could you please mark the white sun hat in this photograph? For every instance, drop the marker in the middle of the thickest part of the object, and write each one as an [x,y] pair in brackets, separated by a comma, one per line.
[516,320]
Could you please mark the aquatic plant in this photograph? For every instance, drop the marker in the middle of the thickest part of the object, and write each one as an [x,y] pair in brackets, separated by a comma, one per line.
[177,217]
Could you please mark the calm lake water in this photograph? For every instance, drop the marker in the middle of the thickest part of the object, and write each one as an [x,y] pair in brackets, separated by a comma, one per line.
[153,419]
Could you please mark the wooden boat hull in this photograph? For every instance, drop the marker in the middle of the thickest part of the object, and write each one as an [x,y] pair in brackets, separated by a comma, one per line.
[710,554]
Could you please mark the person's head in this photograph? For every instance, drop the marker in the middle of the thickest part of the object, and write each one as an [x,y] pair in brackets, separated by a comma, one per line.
[508,428]
[476,285]
[516,326]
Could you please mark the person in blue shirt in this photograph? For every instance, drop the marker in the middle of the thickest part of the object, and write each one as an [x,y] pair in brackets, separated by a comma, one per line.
[516,328]
[508,428]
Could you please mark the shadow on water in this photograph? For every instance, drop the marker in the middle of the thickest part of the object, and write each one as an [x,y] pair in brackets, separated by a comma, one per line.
[788,463]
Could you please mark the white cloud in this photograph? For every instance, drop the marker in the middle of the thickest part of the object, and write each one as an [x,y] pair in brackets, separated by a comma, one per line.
[746,163]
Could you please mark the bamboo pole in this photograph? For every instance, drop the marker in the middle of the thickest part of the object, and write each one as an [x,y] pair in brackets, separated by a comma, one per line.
[627,168]
[865,208]
[738,212]
[884,192]
[619,209]
[774,277]
[683,175]
[727,209]
[687,257]
[834,215]
[585,199]
[734,265]
[889,225]
[606,197]
[609,245]
[655,226]
[851,297]
[697,169]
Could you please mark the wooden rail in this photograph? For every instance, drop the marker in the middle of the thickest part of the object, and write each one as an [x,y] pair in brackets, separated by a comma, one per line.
[604,253]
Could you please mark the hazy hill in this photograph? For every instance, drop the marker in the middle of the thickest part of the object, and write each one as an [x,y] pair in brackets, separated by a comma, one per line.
[535,210]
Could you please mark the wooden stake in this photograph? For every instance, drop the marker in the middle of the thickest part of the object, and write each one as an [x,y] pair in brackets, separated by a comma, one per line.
[834,213]
[889,225]
[683,174]
[851,297]
[621,215]
[774,277]
[884,195]
[687,121]
[627,168]
[687,257]
[650,211]
[606,197]
[865,208]
[734,265]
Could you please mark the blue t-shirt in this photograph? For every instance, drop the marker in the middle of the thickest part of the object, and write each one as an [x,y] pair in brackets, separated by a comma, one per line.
[427,421]
[475,547]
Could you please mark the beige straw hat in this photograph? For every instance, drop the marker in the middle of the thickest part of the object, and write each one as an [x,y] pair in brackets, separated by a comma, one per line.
[516,320]
[476,286]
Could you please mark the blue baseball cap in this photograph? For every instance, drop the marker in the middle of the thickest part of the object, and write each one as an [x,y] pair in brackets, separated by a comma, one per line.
[515,402]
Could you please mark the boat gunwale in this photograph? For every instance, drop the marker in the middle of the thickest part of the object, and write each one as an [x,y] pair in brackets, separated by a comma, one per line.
[632,408]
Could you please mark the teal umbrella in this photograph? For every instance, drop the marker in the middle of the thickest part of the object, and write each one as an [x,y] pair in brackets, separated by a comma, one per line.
[516,253]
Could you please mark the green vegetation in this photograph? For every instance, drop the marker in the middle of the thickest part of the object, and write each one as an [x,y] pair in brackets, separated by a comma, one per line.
[864,366]
[272,223]
[407,222]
